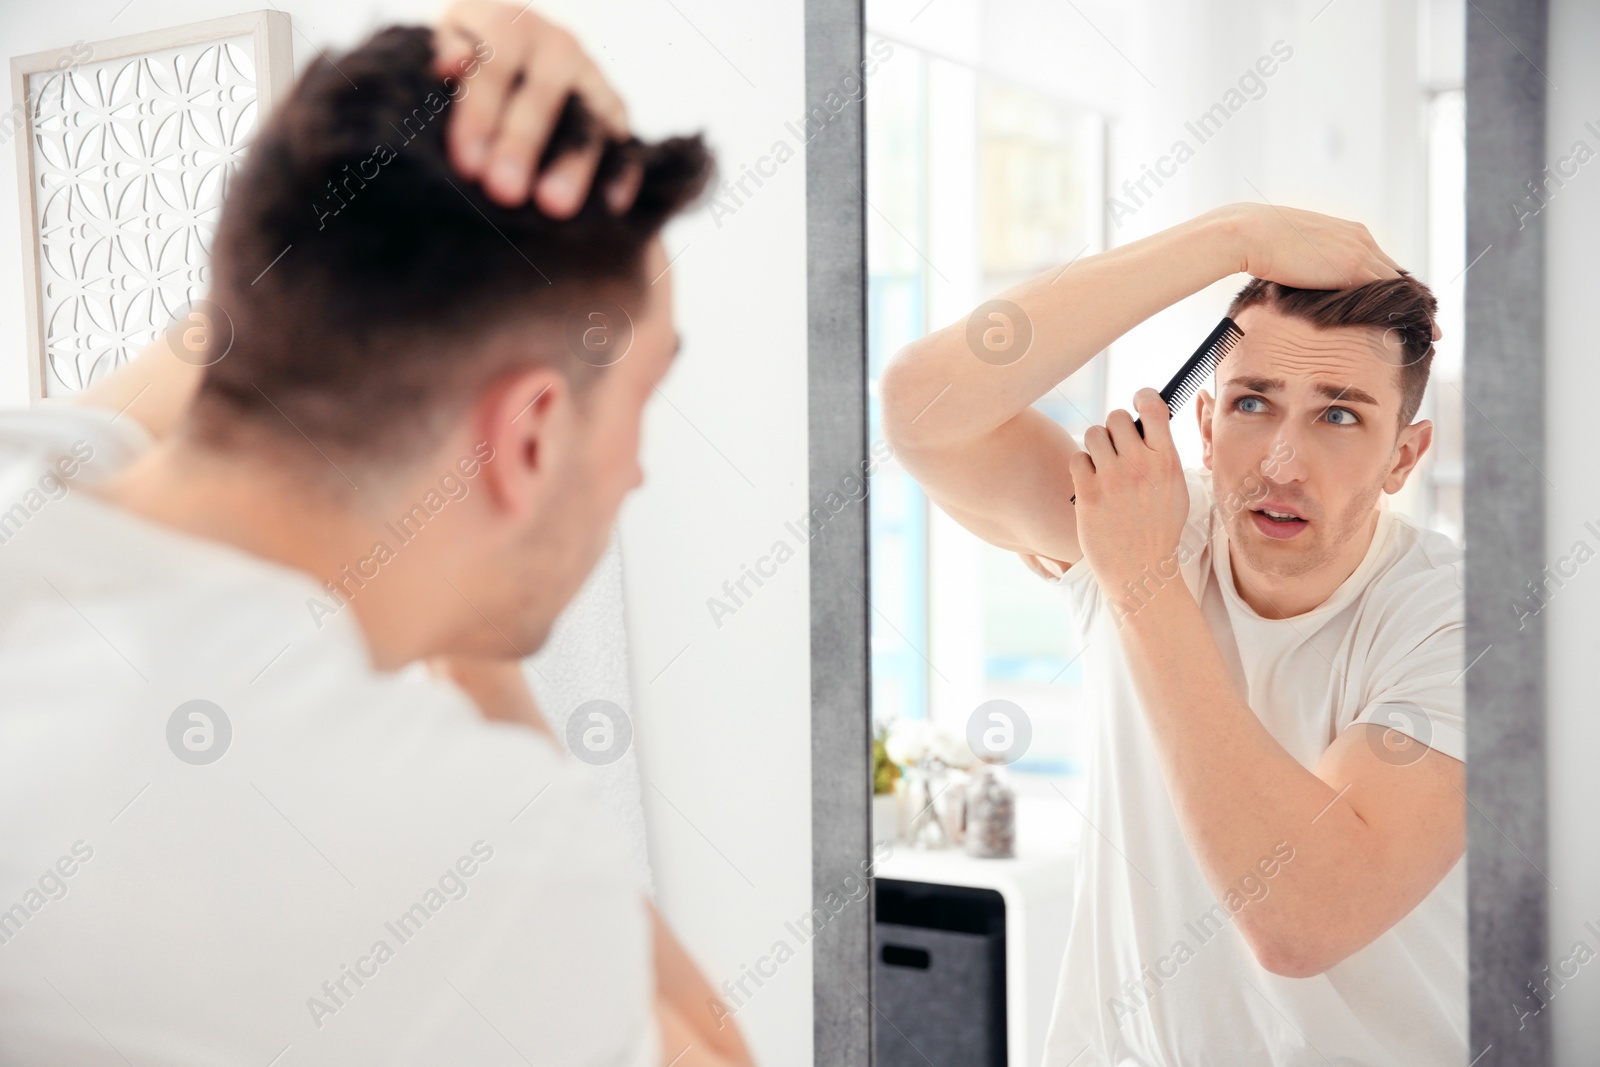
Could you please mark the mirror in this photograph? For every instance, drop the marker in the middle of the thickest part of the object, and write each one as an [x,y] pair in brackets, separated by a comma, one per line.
[1066,876]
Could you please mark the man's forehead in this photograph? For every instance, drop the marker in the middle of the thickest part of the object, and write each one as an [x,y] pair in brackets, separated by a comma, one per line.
[1296,352]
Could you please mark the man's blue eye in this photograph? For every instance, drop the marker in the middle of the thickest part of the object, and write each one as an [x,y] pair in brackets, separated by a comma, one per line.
[1243,400]
[1348,420]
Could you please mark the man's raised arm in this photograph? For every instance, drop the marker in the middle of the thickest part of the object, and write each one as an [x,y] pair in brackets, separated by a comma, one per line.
[959,413]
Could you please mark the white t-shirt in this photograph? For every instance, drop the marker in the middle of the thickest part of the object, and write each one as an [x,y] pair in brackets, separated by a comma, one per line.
[1156,973]
[370,872]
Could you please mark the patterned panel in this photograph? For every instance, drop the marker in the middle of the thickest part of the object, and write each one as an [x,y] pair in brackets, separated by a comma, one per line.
[130,160]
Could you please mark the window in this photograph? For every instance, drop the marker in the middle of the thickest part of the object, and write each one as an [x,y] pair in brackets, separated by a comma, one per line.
[958,213]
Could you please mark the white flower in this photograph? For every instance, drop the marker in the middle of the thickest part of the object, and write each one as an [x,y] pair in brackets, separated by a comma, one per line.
[907,742]
[950,748]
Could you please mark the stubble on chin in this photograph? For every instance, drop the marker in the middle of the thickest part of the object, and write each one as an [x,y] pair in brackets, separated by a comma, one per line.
[1312,550]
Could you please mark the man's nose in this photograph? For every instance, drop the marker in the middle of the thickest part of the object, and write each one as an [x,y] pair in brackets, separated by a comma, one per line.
[1285,460]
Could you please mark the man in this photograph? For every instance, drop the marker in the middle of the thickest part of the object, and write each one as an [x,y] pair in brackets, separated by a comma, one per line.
[1273,657]
[235,831]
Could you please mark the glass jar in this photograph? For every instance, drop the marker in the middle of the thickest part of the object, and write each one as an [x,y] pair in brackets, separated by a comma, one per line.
[919,822]
[991,812]
[950,803]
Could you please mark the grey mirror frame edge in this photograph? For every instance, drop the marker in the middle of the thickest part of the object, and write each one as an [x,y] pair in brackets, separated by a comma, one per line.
[836,317]
[1508,903]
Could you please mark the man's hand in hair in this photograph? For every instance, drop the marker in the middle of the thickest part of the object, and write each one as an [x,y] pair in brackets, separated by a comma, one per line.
[519,70]
[1304,249]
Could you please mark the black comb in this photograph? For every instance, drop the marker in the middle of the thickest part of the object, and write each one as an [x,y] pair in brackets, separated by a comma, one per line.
[1202,363]
[1191,374]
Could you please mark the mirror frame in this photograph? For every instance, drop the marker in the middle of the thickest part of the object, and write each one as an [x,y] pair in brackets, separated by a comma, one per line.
[841,717]
[1504,507]
[1507,889]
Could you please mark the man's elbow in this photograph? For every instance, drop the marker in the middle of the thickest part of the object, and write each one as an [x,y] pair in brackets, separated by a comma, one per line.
[902,401]
[1294,957]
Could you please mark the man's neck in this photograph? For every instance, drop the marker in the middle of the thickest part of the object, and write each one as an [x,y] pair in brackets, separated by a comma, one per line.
[1276,597]
[269,513]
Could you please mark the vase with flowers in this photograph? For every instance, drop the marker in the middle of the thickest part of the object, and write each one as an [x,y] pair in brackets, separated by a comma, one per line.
[933,762]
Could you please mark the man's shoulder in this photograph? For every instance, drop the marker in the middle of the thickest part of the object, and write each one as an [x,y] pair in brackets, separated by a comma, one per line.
[1416,593]
[410,762]
[1421,561]
[99,440]
[408,730]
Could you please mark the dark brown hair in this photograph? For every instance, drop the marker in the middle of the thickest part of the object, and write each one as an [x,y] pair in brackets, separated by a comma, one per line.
[371,291]
[1402,309]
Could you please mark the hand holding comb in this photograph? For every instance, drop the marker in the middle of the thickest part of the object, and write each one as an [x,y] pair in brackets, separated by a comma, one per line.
[1205,359]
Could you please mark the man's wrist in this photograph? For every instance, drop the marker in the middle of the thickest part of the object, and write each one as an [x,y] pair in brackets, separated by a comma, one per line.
[1132,594]
[1225,231]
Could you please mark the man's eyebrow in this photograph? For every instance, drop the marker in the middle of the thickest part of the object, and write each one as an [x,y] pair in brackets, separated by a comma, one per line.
[1348,392]
[1332,392]
[1258,385]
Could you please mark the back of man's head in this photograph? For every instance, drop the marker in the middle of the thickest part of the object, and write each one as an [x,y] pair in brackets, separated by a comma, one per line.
[367,292]
[1400,310]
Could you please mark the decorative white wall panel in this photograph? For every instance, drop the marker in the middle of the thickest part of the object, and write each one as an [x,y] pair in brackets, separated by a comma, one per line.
[128,149]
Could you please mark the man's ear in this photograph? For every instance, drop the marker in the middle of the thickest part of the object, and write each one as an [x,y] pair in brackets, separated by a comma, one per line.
[527,418]
[1202,411]
[1409,449]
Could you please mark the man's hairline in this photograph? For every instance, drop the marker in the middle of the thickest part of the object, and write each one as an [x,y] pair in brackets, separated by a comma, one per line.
[1267,304]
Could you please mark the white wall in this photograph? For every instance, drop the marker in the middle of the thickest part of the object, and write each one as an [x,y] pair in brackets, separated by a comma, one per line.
[1572,361]
[723,715]
[1338,130]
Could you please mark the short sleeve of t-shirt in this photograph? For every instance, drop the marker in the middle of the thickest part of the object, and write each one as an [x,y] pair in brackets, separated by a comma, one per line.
[1082,592]
[1416,686]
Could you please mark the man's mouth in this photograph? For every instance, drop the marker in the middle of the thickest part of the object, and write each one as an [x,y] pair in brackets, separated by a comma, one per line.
[1278,523]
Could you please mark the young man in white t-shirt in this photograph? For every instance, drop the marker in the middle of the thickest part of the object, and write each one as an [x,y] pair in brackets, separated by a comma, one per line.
[398,431]
[1273,658]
